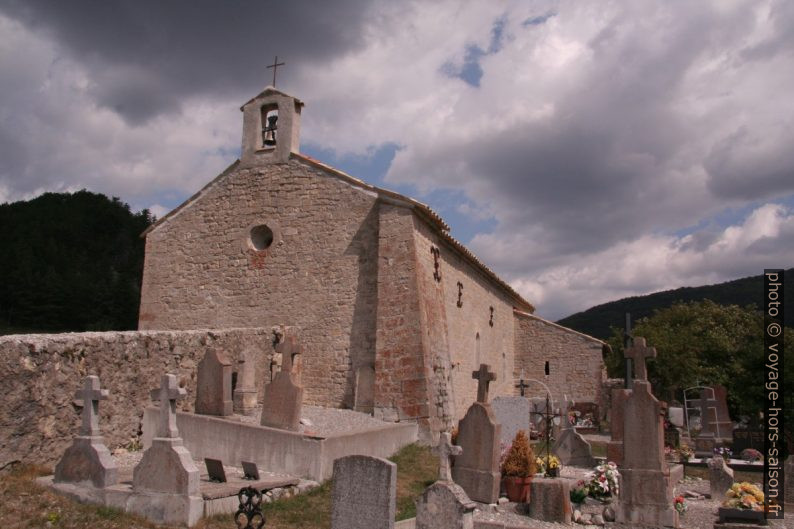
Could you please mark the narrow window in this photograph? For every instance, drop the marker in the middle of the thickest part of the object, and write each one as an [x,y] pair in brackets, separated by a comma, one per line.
[546,368]
[478,359]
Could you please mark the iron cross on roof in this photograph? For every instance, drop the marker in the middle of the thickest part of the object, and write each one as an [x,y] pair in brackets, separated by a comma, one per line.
[275,66]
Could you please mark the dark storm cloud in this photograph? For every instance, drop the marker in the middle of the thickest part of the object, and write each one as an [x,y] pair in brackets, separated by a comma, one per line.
[147,56]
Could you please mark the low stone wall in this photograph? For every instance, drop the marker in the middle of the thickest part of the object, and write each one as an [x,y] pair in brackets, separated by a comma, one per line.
[39,374]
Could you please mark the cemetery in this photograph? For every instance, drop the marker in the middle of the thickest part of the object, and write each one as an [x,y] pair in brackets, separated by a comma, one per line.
[511,462]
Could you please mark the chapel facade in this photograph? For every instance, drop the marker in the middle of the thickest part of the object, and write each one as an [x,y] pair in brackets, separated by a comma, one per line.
[394,313]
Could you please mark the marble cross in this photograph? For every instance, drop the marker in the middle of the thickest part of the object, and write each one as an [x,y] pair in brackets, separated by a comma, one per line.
[445,449]
[168,393]
[288,347]
[483,376]
[638,353]
[91,395]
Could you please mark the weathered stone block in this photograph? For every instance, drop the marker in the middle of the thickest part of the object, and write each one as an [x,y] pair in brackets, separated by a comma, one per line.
[550,500]
[444,505]
[720,477]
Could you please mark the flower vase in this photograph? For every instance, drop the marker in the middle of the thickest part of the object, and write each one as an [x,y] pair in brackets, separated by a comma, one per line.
[553,472]
[517,488]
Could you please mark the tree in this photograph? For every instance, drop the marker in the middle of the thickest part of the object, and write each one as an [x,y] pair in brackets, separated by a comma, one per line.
[703,343]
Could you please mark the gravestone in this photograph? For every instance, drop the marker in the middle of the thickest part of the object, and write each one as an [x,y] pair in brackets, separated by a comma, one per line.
[444,505]
[250,470]
[88,459]
[676,416]
[617,416]
[720,477]
[445,449]
[284,396]
[167,466]
[244,397]
[364,493]
[646,493]
[512,413]
[747,438]
[214,384]
[788,483]
[477,468]
[572,448]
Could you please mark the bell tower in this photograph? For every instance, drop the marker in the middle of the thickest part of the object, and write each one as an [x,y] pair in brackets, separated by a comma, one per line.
[271,128]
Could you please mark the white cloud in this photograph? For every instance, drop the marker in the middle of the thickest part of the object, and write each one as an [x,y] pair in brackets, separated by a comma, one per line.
[653,263]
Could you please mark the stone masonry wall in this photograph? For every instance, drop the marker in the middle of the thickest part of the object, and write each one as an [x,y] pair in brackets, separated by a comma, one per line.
[401,385]
[40,373]
[575,360]
[320,273]
[466,323]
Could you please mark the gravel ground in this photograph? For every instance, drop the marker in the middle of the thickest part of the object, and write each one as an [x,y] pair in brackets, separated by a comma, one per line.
[324,422]
[701,514]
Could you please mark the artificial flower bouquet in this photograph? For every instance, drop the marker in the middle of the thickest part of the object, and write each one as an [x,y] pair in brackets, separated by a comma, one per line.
[603,481]
[744,496]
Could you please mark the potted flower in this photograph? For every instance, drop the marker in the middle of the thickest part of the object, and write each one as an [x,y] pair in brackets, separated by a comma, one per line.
[518,468]
[579,492]
[549,466]
[685,453]
[603,482]
[743,502]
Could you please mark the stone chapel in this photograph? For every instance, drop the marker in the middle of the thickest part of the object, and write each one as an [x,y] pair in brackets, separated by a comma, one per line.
[394,313]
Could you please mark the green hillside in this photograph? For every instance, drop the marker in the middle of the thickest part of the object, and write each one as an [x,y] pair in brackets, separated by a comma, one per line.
[596,321]
[70,262]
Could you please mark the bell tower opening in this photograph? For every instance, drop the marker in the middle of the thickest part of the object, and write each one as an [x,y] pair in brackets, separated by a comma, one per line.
[269,117]
[271,128]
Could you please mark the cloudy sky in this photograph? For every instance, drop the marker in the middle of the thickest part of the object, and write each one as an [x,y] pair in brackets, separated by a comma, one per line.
[587,151]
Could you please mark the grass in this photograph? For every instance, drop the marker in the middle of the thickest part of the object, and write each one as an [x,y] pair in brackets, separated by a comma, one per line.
[25,504]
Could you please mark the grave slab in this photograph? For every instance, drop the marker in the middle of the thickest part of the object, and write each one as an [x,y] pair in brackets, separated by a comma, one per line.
[364,493]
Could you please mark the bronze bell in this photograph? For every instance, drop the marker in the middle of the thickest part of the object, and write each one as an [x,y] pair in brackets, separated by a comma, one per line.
[269,138]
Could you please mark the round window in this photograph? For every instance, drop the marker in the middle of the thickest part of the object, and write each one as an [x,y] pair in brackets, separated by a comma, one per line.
[261,237]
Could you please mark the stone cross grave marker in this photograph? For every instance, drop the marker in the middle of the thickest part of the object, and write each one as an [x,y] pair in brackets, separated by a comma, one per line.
[284,396]
[477,468]
[214,384]
[364,493]
[88,459]
[445,449]
[483,376]
[638,353]
[168,393]
[167,466]
[646,491]
[91,395]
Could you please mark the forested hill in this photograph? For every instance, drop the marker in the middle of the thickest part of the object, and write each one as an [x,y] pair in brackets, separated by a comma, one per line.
[596,321]
[70,262]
